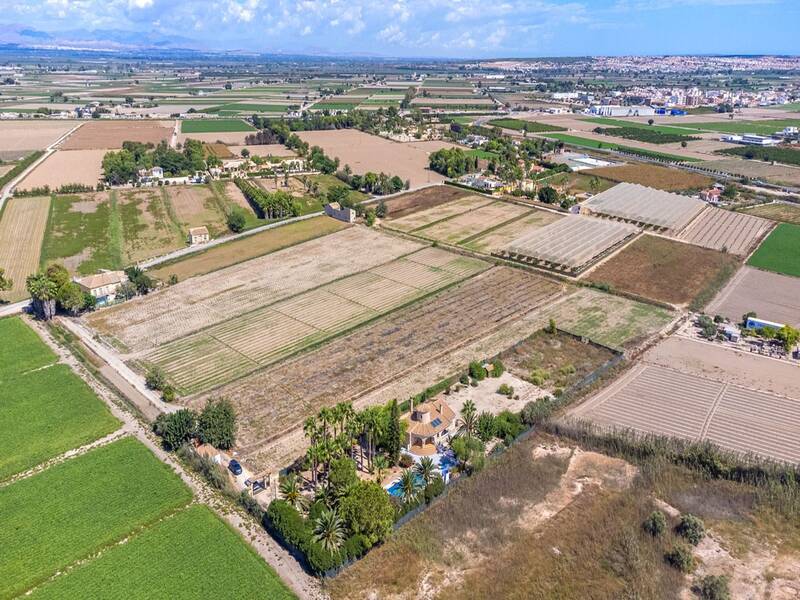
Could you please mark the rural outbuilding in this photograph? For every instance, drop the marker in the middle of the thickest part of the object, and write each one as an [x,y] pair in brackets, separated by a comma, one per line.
[198,235]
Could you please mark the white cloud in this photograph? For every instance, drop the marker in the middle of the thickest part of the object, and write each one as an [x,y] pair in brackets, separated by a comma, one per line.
[392,34]
[140,3]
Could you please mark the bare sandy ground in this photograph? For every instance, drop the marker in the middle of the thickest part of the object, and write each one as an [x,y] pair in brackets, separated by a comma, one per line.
[66,166]
[773,297]
[364,152]
[31,134]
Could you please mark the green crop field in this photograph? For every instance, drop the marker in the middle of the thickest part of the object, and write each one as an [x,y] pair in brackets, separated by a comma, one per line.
[520,125]
[781,154]
[246,108]
[666,129]
[214,126]
[780,252]
[640,134]
[190,555]
[766,127]
[74,509]
[50,411]
[324,105]
[21,350]
[587,143]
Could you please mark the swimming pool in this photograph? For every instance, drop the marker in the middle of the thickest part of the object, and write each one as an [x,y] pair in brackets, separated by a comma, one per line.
[396,489]
[444,461]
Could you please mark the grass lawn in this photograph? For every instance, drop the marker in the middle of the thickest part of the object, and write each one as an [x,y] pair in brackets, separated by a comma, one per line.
[70,511]
[193,554]
[50,411]
[766,127]
[214,126]
[482,154]
[587,143]
[780,252]
[22,350]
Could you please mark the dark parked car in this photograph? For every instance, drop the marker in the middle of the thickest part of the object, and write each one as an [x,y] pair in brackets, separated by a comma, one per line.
[235,467]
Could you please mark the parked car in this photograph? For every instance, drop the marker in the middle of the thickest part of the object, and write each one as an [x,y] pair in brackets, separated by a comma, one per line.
[234,467]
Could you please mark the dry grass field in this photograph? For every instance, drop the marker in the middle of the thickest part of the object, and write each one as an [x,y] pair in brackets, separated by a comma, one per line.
[221,353]
[777,211]
[207,300]
[756,170]
[195,206]
[276,399]
[463,227]
[499,237]
[429,216]
[406,204]
[21,233]
[147,227]
[771,296]
[262,150]
[365,152]
[666,271]
[229,138]
[109,135]
[734,232]
[662,178]
[64,167]
[18,138]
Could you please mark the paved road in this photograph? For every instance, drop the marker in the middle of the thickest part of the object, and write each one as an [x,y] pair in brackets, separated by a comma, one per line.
[6,310]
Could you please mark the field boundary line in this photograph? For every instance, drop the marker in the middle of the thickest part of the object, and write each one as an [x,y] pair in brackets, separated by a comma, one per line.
[723,295]
[712,410]
[477,236]
[413,232]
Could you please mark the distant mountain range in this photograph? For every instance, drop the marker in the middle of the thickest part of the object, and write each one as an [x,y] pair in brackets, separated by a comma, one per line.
[85,39]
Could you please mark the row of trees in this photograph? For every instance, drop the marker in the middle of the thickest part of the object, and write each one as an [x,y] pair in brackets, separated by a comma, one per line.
[215,425]
[268,205]
[373,183]
[123,166]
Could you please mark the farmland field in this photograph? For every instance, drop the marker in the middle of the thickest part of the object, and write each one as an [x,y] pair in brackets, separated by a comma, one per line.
[272,400]
[17,138]
[612,321]
[22,349]
[777,211]
[597,144]
[522,125]
[233,348]
[688,129]
[771,296]
[190,555]
[463,227]
[499,237]
[411,202]
[666,271]
[181,309]
[725,230]
[787,155]
[109,135]
[762,127]
[662,178]
[439,212]
[755,169]
[46,524]
[214,126]
[22,226]
[253,246]
[779,252]
[64,167]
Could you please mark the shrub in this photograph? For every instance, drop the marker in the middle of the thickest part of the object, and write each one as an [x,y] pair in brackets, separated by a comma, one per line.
[283,520]
[655,524]
[691,529]
[354,547]
[508,425]
[168,393]
[320,559]
[155,379]
[216,425]
[476,370]
[405,461]
[505,390]
[485,426]
[498,368]
[713,587]
[236,219]
[681,558]
[536,411]
[175,428]
[433,489]
[551,327]
[367,509]
[251,505]
[464,379]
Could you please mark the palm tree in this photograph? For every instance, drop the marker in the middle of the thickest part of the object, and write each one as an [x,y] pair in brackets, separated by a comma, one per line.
[43,291]
[409,486]
[380,464]
[313,454]
[326,419]
[329,530]
[290,491]
[425,469]
[468,420]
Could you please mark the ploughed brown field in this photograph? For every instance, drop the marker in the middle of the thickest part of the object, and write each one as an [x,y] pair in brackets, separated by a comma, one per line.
[64,167]
[110,134]
[429,197]
[21,233]
[277,399]
[19,137]
[667,271]
[662,178]
[771,296]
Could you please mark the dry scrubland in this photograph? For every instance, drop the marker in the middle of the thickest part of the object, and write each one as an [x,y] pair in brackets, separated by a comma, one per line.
[662,178]
[109,135]
[64,167]
[233,348]
[717,229]
[666,271]
[21,137]
[429,216]
[365,152]
[771,296]
[429,197]
[21,233]
[274,400]
[660,396]
[207,300]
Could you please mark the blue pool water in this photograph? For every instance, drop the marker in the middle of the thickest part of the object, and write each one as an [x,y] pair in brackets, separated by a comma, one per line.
[396,490]
[445,461]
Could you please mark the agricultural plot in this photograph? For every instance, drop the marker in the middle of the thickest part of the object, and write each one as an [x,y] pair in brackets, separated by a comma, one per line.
[522,125]
[654,176]
[630,124]
[210,558]
[763,127]
[465,226]
[602,143]
[18,138]
[215,126]
[779,252]
[756,170]
[109,135]
[667,271]
[497,238]
[84,167]
[570,244]
[777,211]
[771,296]
[440,212]
[201,302]
[272,400]
[645,206]
[22,227]
[197,206]
[46,522]
[229,350]
[22,351]
[737,233]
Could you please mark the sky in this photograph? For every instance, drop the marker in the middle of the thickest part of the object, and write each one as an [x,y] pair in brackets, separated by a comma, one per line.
[418,28]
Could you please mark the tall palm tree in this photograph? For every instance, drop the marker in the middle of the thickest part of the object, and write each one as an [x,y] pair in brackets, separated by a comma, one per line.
[425,469]
[380,464]
[409,486]
[469,419]
[329,530]
[290,491]
[325,419]
[313,454]
[43,291]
